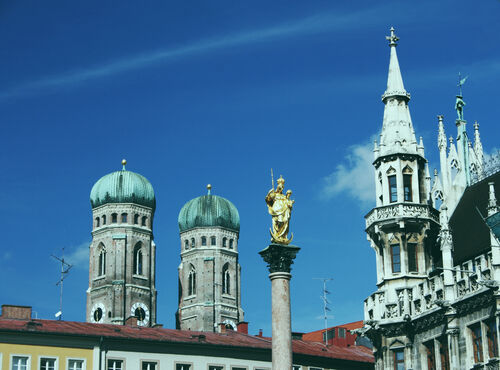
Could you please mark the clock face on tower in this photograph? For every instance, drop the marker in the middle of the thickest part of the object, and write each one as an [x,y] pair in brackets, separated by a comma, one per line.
[97,312]
[141,311]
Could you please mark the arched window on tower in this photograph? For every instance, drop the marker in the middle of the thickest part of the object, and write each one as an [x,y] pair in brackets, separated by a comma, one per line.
[186,244]
[97,222]
[231,241]
[192,281]
[124,218]
[213,241]
[193,243]
[381,192]
[104,219]
[114,218]
[101,269]
[136,219]
[138,258]
[226,280]
[407,172]
[224,242]
[393,188]
[144,221]
[203,240]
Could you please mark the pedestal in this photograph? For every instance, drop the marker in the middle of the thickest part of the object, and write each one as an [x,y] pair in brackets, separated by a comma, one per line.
[279,259]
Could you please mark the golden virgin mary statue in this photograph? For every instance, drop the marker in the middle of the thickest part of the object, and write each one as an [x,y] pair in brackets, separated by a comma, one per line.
[280,208]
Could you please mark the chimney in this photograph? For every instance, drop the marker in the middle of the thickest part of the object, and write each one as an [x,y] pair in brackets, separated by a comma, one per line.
[242,327]
[131,321]
[16,312]
[222,328]
[260,333]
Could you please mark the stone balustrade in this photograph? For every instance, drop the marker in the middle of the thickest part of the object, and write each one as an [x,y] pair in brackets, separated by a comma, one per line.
[401,211]
[468,278]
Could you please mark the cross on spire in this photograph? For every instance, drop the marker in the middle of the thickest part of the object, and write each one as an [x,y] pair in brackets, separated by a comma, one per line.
[392,38]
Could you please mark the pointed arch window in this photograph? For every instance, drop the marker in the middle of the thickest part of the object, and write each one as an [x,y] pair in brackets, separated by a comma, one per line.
[396,258]
[136,219]
[192,281]
[412,257]
[101,269]
[203,240]
[407,172]
[138,259]
[393,188]
[226,280]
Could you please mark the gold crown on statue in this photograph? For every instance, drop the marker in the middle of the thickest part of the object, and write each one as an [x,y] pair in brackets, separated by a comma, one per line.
[281,180]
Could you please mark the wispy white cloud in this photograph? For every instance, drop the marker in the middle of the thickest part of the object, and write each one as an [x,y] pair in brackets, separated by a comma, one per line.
[354,177]
[310,25]
[78,256]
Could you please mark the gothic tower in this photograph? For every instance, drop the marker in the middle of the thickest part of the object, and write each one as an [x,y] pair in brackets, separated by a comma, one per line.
[403,226]
[209,272]
[122,252]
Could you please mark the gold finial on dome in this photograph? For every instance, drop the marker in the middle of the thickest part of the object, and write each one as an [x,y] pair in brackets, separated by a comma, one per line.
[209,187]
[124,162]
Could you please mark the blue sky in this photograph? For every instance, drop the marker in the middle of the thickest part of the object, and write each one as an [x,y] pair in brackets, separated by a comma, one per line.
[219,92]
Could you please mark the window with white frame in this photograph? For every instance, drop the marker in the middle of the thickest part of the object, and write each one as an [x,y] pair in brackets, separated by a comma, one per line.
[183,366]
[74,364]
[149,365]
[115,364]
[296,367]
[47,363]
[215,367]
[20,362]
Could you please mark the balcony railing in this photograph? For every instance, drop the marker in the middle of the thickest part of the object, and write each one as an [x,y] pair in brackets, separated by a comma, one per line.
[401,210]
[468,278]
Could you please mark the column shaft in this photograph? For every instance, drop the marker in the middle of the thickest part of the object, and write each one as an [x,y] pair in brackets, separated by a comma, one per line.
[281,321]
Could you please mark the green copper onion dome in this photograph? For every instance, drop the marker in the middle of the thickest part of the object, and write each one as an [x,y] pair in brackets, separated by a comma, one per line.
[123,187]
[209,211]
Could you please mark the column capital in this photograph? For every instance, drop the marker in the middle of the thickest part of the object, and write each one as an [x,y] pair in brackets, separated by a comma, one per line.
[279,257]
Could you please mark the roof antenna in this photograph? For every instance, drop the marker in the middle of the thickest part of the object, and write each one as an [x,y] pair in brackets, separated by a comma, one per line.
[65,267]
[325,306]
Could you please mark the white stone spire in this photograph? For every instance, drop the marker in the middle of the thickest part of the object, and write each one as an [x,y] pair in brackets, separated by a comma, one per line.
[394,79]
[397,135]
[478,147]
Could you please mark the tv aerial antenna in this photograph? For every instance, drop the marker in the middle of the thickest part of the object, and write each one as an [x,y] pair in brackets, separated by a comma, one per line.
[65,267]
[326,309]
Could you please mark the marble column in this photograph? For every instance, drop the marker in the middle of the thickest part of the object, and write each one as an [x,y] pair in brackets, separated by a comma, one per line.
[279,258]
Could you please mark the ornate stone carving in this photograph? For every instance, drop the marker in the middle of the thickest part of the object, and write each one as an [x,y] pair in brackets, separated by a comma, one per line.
[279,257]
[401,211]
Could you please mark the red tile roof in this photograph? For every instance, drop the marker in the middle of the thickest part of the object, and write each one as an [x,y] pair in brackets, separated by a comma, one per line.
[230,338]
